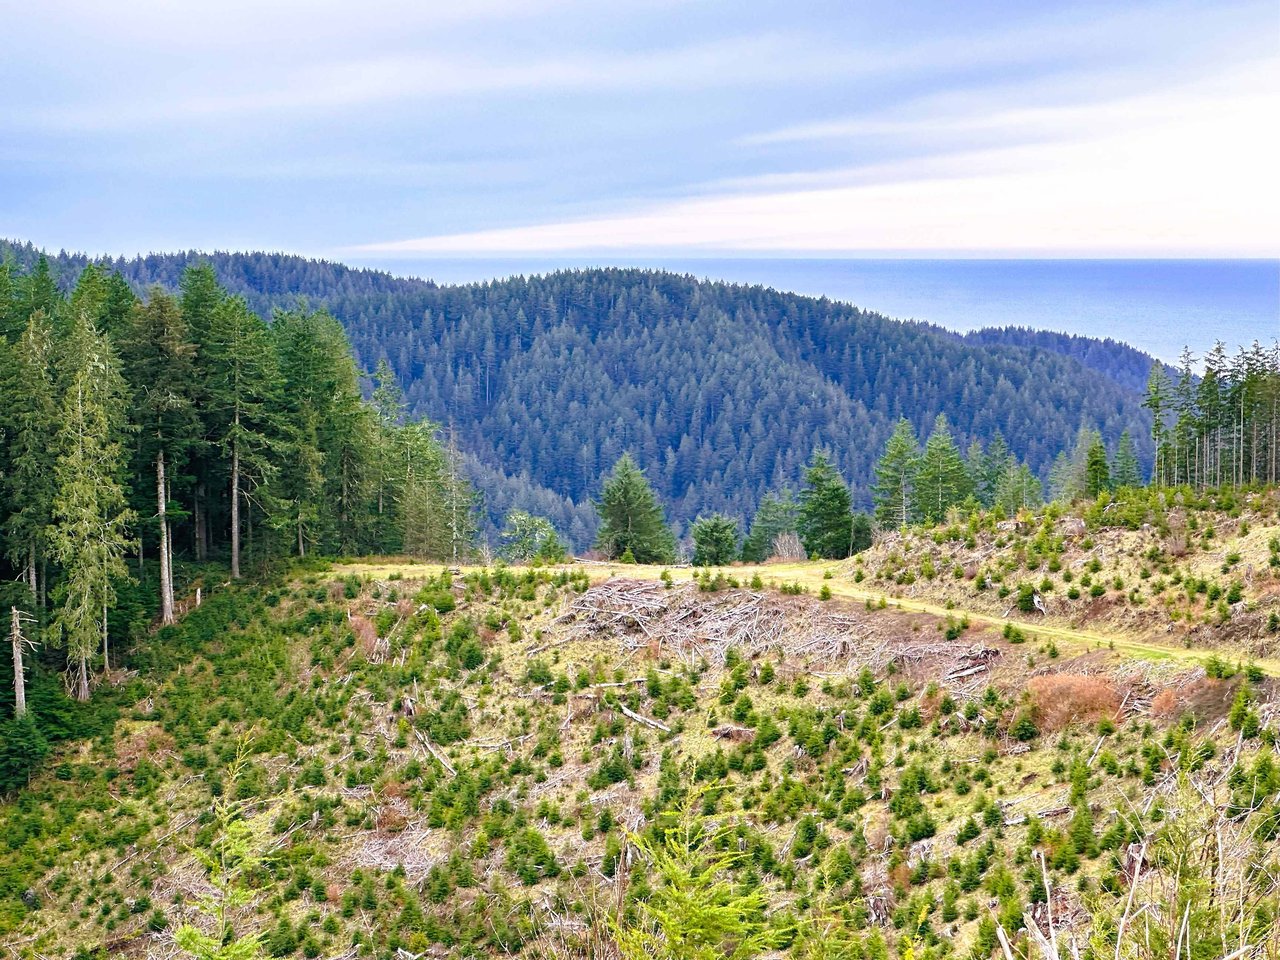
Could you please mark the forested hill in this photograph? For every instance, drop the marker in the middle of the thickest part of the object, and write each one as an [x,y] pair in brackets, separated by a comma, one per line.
[721,391]
[1126,365]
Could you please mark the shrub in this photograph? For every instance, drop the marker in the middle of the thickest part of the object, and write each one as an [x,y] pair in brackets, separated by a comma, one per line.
[1060,699]
[1023,728]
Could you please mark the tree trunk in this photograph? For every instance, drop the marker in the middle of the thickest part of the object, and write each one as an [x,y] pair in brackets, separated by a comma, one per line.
[31,574]
[235,507]
[201,523]
[106,653]
[19,680]
[82,679]
[166,565]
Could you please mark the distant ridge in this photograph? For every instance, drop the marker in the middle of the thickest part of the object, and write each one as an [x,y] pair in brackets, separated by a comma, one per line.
[1126,365]
[720,390]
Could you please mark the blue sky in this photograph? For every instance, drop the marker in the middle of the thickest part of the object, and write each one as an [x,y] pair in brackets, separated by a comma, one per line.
[498,128]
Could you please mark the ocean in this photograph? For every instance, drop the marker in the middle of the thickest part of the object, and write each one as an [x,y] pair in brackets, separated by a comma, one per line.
[1158,306]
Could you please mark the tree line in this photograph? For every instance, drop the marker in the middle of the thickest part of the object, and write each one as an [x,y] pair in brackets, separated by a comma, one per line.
[818,521]
[915,483]
[143,430]
[1221,426]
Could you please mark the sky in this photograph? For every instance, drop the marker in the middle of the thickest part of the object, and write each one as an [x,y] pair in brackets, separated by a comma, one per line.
[381,130]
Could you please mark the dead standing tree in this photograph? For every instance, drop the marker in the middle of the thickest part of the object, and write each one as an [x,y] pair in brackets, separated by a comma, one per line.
[19,641]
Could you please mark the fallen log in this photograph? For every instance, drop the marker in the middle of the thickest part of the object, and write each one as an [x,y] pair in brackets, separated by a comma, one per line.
[655,724]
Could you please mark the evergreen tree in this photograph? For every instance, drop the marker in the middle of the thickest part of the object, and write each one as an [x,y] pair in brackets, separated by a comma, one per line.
[527,537]
[423,515]
[896,475]
[1127,472]
[715,540]
[1157,401]
[90,296]
[1097,474]
[30,418]
[389,407]
[201,296]
[242,409]
[22,747]
[778,514]
[1069,476]
[631,518]
[1017,489]
[38,290]
[995,462]
[117,306]
[327,431]
[1186,448]
[89,534]
[942,480]
[826,517]
[461,503]
[10,323]
[157,353]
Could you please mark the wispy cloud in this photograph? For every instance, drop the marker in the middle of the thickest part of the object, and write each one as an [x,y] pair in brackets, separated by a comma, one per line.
[434,77]
[531,125]
[1191,175]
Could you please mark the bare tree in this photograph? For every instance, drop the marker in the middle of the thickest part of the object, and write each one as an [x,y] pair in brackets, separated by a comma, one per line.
[19,677]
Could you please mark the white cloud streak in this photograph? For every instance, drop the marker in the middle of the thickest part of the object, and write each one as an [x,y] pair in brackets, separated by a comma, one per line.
[1182,175]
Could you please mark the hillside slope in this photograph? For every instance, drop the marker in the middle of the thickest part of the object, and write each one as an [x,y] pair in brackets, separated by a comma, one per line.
[1180,568]
[482,765]
[721,391]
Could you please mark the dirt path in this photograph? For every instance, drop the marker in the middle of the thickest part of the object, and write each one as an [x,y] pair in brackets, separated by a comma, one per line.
[810,575]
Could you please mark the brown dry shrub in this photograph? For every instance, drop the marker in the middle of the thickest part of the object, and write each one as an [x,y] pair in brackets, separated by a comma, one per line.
[337,590]
[1166,705]
[900,876]
[391,820]
[1060,699]
[930,705]
[366,633]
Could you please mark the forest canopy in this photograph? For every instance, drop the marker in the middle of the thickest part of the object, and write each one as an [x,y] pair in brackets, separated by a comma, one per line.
[720,392]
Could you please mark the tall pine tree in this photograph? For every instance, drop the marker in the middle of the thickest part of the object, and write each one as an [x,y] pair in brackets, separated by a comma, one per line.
[91,518]
[942,480]
[1127,473]
[826,516]
[30,420]
[896,477]
[157,353]
[778,514]
[631,519]
[242,409]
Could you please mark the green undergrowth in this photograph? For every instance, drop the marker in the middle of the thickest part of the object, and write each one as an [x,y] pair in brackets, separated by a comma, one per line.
[426,765]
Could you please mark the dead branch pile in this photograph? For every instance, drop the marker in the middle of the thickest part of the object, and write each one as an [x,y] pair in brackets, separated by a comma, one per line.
[416,849]
[692,625]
